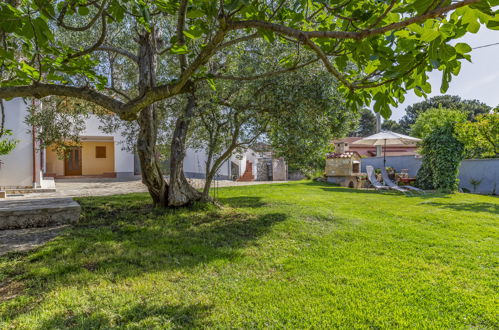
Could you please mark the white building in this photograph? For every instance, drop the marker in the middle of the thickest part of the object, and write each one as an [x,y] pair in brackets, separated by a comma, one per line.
[99,155]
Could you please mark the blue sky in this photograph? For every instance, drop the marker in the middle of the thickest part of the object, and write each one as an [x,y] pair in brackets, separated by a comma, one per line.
[478,80]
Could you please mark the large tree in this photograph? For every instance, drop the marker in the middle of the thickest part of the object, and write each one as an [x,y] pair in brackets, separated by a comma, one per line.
[170,45]
[471,107]
[365,124]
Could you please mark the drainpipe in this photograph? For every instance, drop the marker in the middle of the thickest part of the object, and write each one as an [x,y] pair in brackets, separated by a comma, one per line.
[33,130]
[34,156]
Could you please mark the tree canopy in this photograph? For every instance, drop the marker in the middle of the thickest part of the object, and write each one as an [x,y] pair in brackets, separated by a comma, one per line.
[471,107]
[357,41]
[435,118]
[128,57]
[480,137]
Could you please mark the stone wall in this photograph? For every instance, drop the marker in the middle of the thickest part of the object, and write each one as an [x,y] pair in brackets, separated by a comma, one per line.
[279,169]
[16,214]
[338,166]
[262,171]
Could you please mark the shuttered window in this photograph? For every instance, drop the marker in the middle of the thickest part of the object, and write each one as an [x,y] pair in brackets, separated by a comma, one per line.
[100,152]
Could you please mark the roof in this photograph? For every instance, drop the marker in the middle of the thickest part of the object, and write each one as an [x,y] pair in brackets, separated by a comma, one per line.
[348,154]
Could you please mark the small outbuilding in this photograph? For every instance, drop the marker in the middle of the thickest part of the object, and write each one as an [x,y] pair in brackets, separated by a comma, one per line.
[343,168]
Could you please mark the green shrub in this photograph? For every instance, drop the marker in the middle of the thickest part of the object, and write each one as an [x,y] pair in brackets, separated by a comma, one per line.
[442,154]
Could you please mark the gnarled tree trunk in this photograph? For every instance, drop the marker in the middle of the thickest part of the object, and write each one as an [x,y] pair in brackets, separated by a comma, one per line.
[180,192]
[152,175]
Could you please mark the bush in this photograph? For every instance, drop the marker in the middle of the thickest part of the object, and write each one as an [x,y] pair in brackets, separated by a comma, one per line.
[442,154]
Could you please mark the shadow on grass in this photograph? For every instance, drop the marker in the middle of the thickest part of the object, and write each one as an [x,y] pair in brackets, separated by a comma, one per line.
[138,316]
[243,201]
[470,207]
[122,237]
[338,189]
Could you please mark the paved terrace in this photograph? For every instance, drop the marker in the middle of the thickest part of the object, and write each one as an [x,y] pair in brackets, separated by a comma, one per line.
[105,187]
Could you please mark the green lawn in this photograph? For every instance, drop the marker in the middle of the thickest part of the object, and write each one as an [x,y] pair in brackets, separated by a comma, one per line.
[297,255]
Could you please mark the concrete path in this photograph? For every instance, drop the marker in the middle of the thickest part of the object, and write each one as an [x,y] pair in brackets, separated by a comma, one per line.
[106,187]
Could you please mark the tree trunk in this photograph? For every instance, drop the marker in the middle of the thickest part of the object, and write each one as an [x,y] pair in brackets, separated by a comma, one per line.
[152,175]
[180,192]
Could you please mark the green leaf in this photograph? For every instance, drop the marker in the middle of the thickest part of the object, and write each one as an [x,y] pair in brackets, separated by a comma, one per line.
[212,84]
[422,5]
[178,50]
[462,48]
[429,35]
[473,27]
[195,13]
[83,10]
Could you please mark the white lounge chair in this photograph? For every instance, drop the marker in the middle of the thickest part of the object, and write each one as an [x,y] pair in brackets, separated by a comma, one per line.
[372,178]
[390,183]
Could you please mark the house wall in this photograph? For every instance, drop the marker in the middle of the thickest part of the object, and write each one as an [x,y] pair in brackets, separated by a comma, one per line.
[54,165]
[91,165]
[195,165]
[123,160]
[279,169]
[17,168]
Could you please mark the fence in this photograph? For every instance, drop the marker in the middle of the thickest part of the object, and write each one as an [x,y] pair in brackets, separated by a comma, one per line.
[483,172]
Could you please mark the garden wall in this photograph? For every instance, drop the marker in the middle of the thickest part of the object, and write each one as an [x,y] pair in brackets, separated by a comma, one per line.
[484,170]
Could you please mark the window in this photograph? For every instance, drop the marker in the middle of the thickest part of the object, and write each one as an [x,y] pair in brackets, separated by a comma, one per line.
[100,152]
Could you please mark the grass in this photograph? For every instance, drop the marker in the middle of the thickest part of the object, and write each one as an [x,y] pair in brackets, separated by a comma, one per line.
[296,255]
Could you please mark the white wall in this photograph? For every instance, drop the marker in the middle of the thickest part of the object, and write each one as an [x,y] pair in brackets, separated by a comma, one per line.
[195,164]
[17,168]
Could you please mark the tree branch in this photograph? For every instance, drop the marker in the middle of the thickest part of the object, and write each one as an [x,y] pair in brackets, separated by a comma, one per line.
[97,44]
[266,74]
[119,51]
[43,90]
[60,19]
[299,34]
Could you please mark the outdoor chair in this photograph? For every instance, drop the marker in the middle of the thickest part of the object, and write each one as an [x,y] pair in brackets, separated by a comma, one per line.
[394,186]
[372,179]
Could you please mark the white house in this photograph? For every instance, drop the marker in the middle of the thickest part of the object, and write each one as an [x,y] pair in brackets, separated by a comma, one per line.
[99,155]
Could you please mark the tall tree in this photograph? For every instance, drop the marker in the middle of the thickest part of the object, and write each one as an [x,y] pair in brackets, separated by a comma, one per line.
[392,125]
[366,123]
[174,42]
[471,107]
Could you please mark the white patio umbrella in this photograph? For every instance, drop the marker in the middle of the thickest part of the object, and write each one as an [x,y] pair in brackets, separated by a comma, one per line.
[387,138]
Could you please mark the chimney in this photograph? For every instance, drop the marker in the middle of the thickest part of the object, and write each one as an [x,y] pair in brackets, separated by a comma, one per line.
[342,147]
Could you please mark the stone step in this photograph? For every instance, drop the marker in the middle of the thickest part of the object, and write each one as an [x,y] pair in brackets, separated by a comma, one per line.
[26,213]
[18,191]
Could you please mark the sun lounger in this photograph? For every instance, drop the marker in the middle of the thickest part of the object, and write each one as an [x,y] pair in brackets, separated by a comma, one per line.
[372,178]
[393,185]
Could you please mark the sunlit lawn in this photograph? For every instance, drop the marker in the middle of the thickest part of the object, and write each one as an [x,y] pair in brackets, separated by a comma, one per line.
[297,255]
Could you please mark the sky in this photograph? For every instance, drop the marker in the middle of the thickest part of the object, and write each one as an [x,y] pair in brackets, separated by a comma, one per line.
[478,80]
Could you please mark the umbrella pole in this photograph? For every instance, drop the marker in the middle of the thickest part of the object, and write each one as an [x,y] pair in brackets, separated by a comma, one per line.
[384,156]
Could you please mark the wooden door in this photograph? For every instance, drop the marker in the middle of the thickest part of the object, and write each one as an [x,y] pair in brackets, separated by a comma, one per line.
[72,165]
